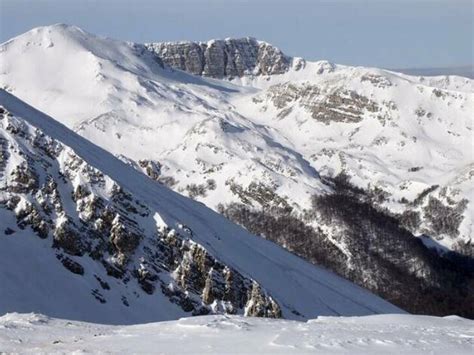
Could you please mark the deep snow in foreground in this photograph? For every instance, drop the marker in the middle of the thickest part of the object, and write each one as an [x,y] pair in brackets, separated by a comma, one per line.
[381,334]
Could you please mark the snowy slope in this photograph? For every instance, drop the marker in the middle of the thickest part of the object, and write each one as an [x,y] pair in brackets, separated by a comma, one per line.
[273,144]
[388,132]
[383,334]
[111,245]
[260,139]
[142,111]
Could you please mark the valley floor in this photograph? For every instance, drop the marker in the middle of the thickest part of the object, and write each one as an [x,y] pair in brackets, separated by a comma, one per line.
[381,334]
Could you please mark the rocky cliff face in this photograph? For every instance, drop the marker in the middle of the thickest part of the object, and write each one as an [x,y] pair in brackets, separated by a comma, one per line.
[225,58]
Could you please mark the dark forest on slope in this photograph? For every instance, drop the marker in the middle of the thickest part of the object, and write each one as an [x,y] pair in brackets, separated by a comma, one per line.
[380,253]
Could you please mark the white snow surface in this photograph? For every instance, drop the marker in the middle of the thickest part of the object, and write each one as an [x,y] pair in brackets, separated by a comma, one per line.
[117,95]
[33,281]
[382,334]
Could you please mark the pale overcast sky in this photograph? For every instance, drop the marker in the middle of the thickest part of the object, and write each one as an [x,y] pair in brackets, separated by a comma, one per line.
[385,33]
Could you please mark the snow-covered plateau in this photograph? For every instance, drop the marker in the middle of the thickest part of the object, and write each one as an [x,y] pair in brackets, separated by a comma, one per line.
[382,334]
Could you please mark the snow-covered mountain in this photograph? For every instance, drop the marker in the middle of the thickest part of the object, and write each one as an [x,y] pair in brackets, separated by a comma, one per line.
[281,145]
[86,236]
[396,134]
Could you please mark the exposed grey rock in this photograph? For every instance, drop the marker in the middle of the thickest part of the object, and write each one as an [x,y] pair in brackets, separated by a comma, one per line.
[24,179]
[66,238]
[377,80]
[30,216]
[259,194]
[71,265]
[261,306]
[124,239]
[8,231]
[150,168]
[225,58]
[337,106]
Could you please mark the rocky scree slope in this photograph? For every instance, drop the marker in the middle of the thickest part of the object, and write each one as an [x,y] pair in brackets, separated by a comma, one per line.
[277,143]
[111,245]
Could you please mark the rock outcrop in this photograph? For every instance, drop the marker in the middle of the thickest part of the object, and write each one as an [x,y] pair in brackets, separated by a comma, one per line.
[334,106]
[224,58]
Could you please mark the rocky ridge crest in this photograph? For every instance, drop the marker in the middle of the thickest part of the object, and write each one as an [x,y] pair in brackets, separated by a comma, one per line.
[225,58]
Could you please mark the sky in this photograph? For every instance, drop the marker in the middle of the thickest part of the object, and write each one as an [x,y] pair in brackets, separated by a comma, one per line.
[385,33]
